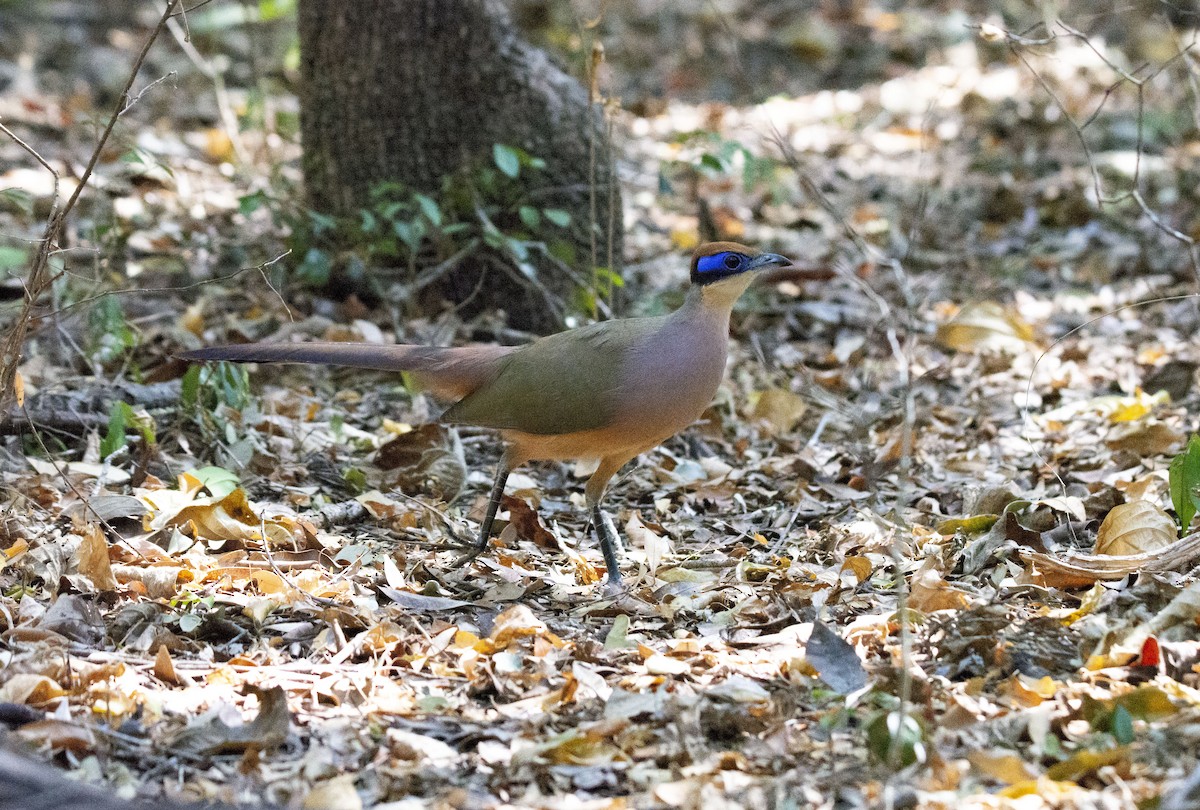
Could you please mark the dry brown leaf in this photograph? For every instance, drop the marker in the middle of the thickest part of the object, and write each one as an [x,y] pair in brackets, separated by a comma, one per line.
[93,559]
[780,408]
[428,458]
[29,688]
[161,581]
[268,730]
[164,667]
[930,592]
[860,567]
[527,524]
[986,326]
[1139,527]
[1145,438]
[267,582]
[1000,764]
[59,735]
[1073,570]
[209,517]
[382,637]
[515,623]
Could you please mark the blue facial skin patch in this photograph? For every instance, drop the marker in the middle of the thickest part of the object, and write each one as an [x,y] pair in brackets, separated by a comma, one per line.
[726,263]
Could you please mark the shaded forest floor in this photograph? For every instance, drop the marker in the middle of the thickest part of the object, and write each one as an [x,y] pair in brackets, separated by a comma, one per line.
[920,552]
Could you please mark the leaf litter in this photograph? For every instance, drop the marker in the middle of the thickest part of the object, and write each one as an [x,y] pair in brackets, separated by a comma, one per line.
[284,625]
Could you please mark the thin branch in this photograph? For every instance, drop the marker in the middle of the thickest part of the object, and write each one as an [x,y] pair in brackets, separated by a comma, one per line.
[34,153]
[40,278]
[121,104]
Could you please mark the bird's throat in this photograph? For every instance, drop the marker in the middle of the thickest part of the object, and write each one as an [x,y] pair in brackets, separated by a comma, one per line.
[720,296]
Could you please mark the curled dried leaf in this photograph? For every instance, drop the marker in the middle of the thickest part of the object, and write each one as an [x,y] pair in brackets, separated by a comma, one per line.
[986,326]
[1135,528]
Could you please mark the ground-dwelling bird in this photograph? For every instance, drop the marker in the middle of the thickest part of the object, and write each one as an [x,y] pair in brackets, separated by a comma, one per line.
[604,392]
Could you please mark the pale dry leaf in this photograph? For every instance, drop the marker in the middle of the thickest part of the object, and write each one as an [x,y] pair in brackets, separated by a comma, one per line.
[1000,764]
[659,664]
[986,326]
[1145,438]
[58,735]
[335,794]
[267,730]
[1073,570]
[28,688]
[164,667]
[780,408]
[656,546]
[931,592]
[161,581]
[208,517]
[93,559]
[1137,527]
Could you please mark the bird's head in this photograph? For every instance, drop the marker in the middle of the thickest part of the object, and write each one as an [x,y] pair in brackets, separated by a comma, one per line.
[723,262]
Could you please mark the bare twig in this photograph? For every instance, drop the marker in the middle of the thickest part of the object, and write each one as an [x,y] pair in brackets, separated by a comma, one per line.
[1017,44]
[40,276]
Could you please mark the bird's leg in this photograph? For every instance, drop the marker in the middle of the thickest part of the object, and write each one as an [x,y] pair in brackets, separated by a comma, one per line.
[489,517]
[604,531]
[608,545]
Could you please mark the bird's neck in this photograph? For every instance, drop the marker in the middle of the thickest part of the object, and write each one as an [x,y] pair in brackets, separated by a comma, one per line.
[716,299]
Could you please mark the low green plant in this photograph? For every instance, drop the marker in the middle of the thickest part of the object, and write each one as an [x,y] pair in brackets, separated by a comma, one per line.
[208,386]
[1184,478]
[491,205]
[122,418]
[708,154]
[109,336]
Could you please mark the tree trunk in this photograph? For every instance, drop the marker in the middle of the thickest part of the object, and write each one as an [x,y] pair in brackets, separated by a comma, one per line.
[409,91]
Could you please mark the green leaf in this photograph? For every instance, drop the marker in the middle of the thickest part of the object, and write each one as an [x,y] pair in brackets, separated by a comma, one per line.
[321,223]
[892,734]
[518,249]
[12,258]
[249,203]
[607,275]
[711,162]
[356,479]
[189,388]
[557,216]
[530,216]
[1122,725]
[1184,477]
[507,160]
[114,438]
[316,268]
[20,198]
[410,233]
[108,332]
[430,209]
[189,622]
[141,421]
[617,634]
[217,480]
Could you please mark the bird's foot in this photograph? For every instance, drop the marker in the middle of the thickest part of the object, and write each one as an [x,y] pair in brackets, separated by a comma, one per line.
[613,587]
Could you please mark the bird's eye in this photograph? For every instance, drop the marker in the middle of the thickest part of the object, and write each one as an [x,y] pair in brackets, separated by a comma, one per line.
[732,261]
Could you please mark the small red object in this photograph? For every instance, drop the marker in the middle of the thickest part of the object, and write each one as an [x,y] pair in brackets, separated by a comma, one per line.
[1151,655]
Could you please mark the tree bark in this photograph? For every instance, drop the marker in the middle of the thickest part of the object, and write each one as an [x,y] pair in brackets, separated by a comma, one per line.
[412,90]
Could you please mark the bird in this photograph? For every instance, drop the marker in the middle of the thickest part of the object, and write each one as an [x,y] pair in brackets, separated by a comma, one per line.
[605,392]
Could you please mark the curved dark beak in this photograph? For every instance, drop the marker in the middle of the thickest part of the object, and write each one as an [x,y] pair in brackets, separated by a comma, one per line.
[768,260]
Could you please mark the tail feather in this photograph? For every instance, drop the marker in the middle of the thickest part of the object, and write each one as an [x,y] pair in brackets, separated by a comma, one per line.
[449,372]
